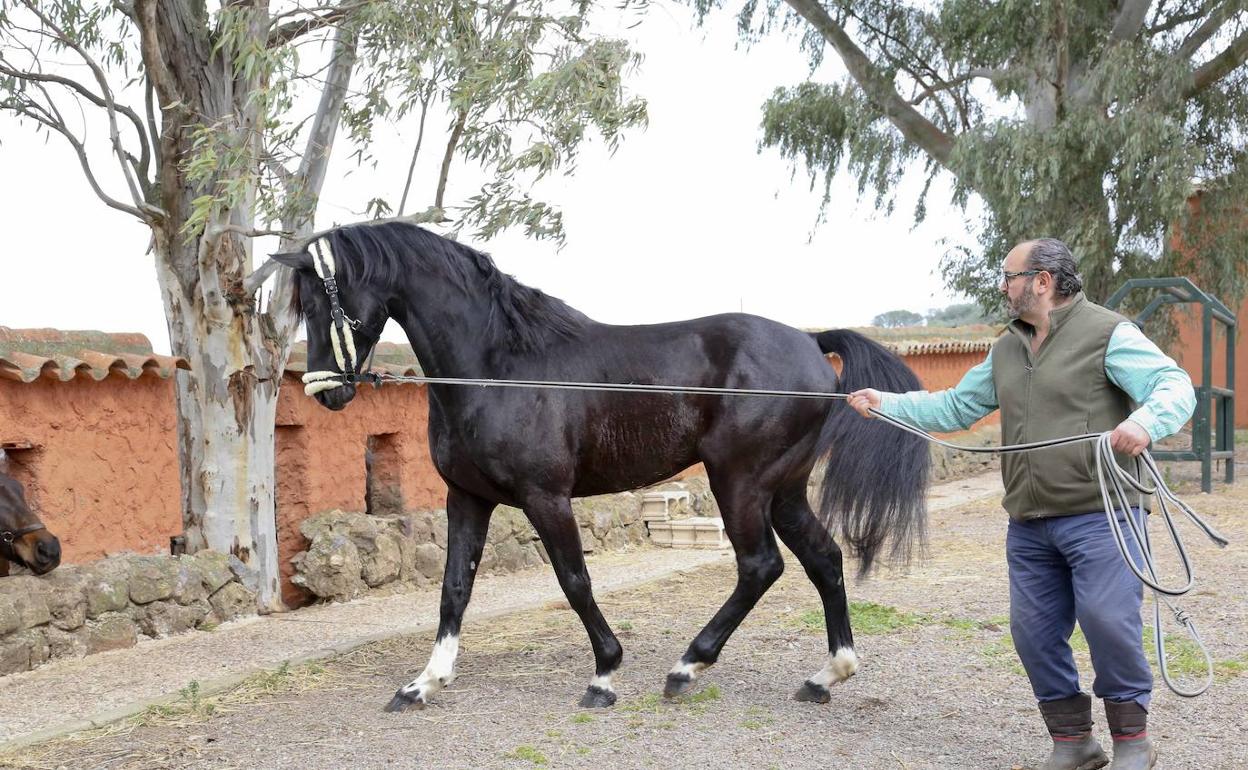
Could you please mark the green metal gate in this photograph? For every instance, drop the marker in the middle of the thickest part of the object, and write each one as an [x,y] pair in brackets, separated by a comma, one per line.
[1213,426]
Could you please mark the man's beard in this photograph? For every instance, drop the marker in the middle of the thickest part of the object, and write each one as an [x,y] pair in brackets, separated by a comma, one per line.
[1025,302]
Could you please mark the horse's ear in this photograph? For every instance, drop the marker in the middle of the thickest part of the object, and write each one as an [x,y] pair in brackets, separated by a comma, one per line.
[299,260]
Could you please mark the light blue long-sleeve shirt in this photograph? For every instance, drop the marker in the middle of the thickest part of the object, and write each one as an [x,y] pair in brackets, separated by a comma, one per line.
[1133,362]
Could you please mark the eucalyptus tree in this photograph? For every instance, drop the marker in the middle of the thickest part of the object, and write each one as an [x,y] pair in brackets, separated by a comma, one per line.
[1117,126]
[212,124]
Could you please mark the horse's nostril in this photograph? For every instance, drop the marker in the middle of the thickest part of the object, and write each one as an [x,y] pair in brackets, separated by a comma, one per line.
[49,549]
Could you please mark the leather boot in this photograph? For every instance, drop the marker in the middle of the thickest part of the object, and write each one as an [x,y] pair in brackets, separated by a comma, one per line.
[1070,725]
[1128,724]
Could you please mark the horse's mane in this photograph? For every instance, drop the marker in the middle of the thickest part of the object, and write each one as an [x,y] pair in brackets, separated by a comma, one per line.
[521,318]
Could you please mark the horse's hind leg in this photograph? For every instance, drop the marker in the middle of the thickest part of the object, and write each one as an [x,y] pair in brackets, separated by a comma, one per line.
[820,556]
[468,520]
[759,564]
[555,524]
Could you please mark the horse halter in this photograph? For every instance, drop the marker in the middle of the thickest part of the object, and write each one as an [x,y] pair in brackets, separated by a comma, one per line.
[8,536]
[340,338]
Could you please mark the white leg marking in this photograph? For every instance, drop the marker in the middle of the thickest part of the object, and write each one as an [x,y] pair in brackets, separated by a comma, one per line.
[603,682]
[687,669]
[440,671]
[839,667]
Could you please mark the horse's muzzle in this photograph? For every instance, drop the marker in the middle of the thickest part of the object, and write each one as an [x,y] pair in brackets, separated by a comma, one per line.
[336,398]
[40,551]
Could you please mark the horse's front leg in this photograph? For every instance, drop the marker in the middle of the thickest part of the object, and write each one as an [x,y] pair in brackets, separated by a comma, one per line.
[554,522]
[468,520]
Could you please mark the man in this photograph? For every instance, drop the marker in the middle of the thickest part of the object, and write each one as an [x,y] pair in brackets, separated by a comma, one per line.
[1066,367]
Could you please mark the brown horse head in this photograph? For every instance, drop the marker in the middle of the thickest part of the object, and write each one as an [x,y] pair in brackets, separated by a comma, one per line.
[23,538]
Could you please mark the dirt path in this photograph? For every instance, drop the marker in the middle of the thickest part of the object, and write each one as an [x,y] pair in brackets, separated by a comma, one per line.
[939,686]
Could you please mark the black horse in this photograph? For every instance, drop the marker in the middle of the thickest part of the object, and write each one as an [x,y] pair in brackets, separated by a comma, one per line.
[23,538]
[535,449]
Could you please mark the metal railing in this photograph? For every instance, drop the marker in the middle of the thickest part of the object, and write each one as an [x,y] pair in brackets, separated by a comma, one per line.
[1213,424]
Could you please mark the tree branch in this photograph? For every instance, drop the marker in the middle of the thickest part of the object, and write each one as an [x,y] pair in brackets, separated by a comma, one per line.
[912,124]
[258,276]
[41,116]
[420,138]
[972,74]
[153,56]
[1179,20]
[456,132]
[126,9]
[145,154]
[310,176]
[150,107]
[110,105]
[1207,29]
[1130,19]
[291,30]
[1219,66]
[302,242]
[909,69]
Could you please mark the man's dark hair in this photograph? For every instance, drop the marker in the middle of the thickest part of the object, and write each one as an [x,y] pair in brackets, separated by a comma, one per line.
[1054,257]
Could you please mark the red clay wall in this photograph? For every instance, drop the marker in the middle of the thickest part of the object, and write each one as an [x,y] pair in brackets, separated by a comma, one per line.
[320,459]
[103,475]
[938,371]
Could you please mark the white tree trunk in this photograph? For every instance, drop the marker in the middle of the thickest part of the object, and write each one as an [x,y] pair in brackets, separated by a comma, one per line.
[226,410]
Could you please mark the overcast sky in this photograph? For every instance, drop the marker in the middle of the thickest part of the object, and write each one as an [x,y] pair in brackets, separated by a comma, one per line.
[686,219]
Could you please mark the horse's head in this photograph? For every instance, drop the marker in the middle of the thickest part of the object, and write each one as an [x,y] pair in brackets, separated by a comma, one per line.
[344,314]
[23,538]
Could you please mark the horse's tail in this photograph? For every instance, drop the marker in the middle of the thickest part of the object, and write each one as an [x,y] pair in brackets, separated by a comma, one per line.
[875,477]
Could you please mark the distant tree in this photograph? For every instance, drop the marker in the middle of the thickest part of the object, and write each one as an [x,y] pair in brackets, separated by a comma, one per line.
[961,314]
[895,318]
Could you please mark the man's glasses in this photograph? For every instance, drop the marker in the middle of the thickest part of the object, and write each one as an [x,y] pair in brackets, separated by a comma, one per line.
[1007,276]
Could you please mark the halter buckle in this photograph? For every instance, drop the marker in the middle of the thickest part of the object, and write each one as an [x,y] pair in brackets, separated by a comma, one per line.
[9,536]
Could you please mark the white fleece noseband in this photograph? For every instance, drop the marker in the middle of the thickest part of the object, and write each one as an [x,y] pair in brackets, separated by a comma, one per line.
[341,339]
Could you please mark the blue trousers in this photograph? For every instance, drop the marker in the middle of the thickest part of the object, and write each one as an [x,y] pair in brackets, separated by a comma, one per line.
[1068,568]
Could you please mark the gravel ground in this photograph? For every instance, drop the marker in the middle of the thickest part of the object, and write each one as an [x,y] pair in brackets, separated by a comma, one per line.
[939,686]
[102,687]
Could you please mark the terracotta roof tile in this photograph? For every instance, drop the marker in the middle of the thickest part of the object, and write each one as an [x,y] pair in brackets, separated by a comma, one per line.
[928,340]
[919,348]
[28,354]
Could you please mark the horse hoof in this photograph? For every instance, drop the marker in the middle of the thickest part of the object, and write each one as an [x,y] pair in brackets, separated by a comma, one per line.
[813,693]
[403,701]
[597,698]
[677,685]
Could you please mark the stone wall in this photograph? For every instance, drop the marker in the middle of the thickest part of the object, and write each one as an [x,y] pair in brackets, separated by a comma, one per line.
[110,604]
[351,553]
[950,464]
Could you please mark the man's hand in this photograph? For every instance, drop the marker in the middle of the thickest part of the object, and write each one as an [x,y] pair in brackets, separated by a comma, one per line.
[1129,438]
[864,400]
